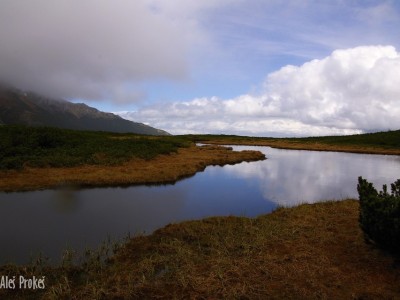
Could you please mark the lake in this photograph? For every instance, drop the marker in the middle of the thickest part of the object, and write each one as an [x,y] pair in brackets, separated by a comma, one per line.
[51,221]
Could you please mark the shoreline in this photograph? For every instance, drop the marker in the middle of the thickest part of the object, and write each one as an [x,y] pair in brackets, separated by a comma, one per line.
[162,169]
[310,146]
[309,251]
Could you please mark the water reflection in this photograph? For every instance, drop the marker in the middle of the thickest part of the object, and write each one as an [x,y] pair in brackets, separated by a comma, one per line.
[293,177]
[66,199]
[52,220]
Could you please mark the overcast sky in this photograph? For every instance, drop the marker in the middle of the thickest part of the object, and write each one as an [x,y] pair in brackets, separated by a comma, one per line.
[253,67]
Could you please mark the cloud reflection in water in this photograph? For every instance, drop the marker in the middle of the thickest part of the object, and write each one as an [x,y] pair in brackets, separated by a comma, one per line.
[52,220]
[289,177]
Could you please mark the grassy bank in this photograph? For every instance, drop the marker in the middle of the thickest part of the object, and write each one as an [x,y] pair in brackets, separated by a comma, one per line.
[306,252]
[167,168]
[38,158]
[373,143]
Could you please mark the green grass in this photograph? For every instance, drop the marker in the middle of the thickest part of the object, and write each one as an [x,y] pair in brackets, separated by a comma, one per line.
[53,147]
[382,139]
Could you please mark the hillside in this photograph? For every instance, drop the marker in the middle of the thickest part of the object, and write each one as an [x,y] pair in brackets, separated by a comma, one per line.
[26,108]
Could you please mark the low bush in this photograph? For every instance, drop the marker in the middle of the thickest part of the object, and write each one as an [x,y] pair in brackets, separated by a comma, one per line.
[380,214]
[22,146]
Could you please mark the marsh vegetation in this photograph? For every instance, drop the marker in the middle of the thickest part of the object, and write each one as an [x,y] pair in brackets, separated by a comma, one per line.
[38,158]
[375,143]
[306,252]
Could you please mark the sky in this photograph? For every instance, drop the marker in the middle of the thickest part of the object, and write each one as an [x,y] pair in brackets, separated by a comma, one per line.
[248,67]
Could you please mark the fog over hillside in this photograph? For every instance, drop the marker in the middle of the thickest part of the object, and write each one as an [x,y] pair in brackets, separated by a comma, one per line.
[26,108]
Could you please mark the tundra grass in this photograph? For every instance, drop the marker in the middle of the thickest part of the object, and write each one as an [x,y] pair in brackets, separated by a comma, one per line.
[166,168]
[43,157]
[374,143]
[312,251]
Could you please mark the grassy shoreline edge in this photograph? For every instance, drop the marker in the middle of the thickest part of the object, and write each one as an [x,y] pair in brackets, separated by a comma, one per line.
[312,147]
[43,158]
[310,251]
[163,169]
[166,168]
[386,143]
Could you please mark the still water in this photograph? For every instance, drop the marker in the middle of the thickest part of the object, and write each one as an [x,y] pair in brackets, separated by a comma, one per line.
[50,221]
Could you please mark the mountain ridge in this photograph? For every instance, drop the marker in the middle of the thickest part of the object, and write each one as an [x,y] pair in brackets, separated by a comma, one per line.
[31,109]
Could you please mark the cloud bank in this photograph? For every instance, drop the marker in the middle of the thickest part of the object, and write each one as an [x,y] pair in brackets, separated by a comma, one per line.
[350,91]
[91,49]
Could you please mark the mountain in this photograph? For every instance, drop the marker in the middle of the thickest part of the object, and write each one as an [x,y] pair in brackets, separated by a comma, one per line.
[27,108]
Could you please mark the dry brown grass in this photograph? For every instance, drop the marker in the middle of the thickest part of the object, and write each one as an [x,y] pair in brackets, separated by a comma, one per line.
[307,252]
[162,169]
[304,145]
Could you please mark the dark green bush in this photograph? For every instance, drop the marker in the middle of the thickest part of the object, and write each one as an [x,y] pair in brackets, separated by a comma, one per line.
[380,214]
[22,146]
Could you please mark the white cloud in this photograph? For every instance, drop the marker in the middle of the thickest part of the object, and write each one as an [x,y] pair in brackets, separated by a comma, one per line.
[88,49]
[115,50]
[350,91]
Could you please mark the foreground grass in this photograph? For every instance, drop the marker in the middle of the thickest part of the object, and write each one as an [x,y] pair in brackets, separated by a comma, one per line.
[373,143]
[307,252]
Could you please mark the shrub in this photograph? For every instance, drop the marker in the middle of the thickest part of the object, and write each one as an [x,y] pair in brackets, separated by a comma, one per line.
[380,214]
[54,147]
